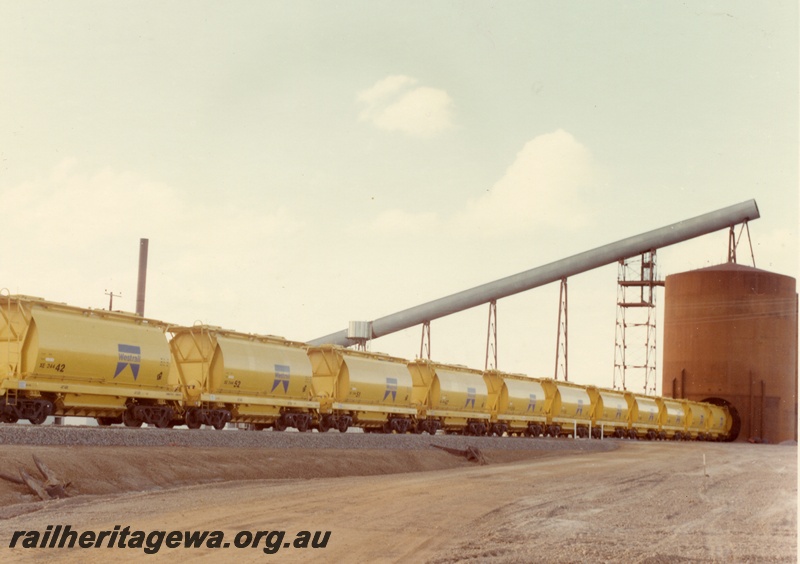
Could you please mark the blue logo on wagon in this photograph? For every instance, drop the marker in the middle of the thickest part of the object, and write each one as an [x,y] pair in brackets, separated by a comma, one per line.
[391,389]
[282,373]
[470,397]
[532,403]
[129,355]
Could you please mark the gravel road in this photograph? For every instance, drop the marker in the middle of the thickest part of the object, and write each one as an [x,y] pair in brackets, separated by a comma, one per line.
[643,502]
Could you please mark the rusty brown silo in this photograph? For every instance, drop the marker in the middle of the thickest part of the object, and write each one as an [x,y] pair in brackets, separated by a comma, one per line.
[730,337]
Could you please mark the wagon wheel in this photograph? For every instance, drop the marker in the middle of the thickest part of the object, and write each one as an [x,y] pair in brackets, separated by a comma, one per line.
[324,423]
[129,419]
[302,423]
[164,419]
[41,409]
[193,418]
[279,425]
[219,417]
[38,419]
[9,415]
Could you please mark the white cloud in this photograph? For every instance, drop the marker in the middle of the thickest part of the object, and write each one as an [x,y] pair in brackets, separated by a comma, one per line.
[77,233]
[385,88]
[545,186]
[548,186]
[396,103]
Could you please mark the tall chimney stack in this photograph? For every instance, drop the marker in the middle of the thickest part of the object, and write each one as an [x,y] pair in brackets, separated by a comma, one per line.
[142,277]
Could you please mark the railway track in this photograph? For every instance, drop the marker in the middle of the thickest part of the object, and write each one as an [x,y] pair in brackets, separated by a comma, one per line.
[68,435]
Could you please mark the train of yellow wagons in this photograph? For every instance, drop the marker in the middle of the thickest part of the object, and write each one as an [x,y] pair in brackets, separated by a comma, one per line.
[120,368]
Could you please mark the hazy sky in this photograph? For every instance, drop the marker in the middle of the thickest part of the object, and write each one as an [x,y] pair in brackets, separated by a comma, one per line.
[296,165]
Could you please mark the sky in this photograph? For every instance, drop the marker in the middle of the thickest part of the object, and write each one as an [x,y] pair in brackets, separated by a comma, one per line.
[298,165]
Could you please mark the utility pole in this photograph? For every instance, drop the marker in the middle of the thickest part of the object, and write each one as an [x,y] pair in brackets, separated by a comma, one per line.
[111,295]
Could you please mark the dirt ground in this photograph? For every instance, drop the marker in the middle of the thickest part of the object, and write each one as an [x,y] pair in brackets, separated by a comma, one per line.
[643,502]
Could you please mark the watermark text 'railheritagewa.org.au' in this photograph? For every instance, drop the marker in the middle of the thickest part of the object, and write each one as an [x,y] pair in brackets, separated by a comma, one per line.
[150,542]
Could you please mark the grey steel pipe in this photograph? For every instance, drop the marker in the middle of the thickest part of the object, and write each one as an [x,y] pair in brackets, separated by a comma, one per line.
[142,282]
[576,264]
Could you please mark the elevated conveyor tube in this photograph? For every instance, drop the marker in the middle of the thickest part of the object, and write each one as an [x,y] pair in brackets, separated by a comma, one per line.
[576,264]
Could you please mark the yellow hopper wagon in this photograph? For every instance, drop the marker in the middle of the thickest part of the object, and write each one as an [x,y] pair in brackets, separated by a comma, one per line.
[673,418]
[610,414]
[362,389]
[645,416]
[719,422]
[522,406]
[696,420]
[227,376]
[457,399]
[570,411]
[62,360]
